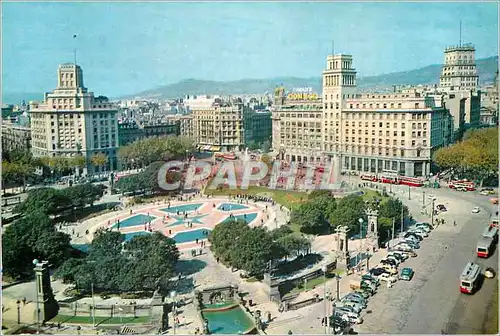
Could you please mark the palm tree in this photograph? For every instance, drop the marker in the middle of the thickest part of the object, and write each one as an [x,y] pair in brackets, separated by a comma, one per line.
[99,160]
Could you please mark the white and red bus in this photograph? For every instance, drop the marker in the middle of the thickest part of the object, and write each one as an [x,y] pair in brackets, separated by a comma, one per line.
[388,178]
[468,185]
[411,181]
[484,247]
[469,278]
[224,156]
[369,177]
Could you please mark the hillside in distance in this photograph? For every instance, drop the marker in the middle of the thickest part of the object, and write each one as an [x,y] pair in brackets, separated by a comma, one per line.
[426,75]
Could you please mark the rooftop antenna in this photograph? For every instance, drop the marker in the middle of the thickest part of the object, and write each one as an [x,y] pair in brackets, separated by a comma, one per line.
[74,50]
[333,48]
[460,39]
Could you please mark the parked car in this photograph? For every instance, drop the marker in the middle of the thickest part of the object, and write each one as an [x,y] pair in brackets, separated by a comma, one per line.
[388,278]
[370,277]
[413,245]
[389,262]
[419,232]
[411,239]
[464,189]
[422,228]
[398,254]
[429,226]
[348,314]
[476,210]
[354,307]
[365,293]
[378,271]
[487,191]
[356,299]
[406,274]
[396,259]
[441,208]
[404,248]
[413,234]
[390,268]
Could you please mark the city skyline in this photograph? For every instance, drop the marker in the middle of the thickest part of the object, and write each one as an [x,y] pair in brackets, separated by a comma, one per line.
[246,40]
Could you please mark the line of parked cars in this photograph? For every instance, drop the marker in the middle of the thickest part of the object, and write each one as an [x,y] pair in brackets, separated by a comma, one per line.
[349,308]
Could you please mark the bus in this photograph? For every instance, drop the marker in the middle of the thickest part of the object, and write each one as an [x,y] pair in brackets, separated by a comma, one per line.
[411,181]
[462,184]
[469,279]
[484,247]
[388,178]
[219,156]
[369,177]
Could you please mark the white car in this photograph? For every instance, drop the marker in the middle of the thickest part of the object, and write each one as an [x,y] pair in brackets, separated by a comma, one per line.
[387,278]
[420,233]
[431,197]
[484,192]
[423,228]
[396,260]
[476,210]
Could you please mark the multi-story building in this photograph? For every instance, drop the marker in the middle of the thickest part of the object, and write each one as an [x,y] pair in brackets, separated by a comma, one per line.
[258,126]
[72,121]
[129,132]
[489,103]
[15,137]
[367,132]
[185,124]
[459,81]
[296,126]
[393,132]
[218,124]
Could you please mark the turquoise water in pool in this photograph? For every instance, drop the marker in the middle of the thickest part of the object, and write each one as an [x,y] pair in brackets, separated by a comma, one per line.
[182,208]
[231,321]
[231,207]
[81,247]
[134,221]
[131,235]
[189,236]
[249,218]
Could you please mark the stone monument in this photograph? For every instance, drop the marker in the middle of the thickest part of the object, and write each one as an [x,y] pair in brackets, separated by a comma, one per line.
[372,231]
[47,306]
[341,245]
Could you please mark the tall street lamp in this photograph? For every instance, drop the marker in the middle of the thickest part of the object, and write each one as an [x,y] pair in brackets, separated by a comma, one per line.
[18,302]
[338,277]
[325,269]
[35,262]
[360,220]
[173,294]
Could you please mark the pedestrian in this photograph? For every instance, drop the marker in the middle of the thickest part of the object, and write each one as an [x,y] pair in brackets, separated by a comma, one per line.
[196,240]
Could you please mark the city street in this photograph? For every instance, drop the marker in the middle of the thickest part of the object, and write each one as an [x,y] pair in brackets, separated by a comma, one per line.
[431,301]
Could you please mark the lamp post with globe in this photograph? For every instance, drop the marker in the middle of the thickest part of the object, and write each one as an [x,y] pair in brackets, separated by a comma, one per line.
[35,263]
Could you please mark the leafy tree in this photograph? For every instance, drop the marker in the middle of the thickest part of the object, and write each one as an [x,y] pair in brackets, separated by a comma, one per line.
[294,245]
[319,193]
[280,232]
[99,159]
[151,260]
[309,218]
[347,212]
[84,194]
[254,250]
[46,200]
[476,156]
[33,236]
[225,237]
[143,263]
[252,145]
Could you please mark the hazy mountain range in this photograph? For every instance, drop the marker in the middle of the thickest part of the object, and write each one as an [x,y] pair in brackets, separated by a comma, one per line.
[426,75]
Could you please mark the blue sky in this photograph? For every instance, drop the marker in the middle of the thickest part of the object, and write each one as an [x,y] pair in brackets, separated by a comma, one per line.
[128,47]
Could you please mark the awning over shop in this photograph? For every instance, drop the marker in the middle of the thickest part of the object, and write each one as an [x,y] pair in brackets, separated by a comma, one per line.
[207,147]
[215,148]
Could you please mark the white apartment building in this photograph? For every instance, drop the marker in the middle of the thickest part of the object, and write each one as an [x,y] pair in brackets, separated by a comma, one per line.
[71,120]
[368,132]
[296,126]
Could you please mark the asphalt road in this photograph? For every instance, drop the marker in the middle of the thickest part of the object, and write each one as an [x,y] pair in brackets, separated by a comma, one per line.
[431,301]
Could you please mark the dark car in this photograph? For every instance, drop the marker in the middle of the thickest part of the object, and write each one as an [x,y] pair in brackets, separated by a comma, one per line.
[389,262]
[441,207]
[378,271]
[411,234]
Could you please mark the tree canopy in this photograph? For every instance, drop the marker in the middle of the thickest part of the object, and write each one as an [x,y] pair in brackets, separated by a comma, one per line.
[32,237]
[52,201]
[146,151]
[475,157]
[146,262]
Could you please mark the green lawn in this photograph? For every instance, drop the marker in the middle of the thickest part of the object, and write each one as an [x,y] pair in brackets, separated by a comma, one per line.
[289,199]
[100,319]
[369,194]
